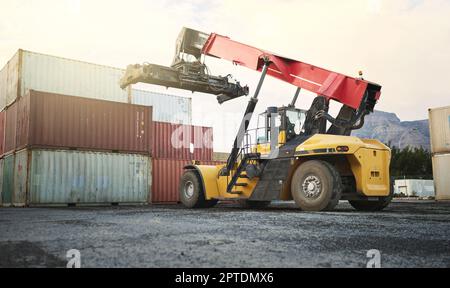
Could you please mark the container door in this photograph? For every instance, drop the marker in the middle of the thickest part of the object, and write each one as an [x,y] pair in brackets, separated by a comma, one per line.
[1,182]
[8,180]
[20,178]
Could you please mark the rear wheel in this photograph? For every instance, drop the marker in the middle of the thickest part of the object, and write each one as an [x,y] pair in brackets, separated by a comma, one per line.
[192,194]
[316,186]
[378,205]
[245,203]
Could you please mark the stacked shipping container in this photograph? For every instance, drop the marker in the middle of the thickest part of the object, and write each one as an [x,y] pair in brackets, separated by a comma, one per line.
[59,148]
[52,121]
[49,120]
[2,131]
[175,142]
[166,108]
[59,177]
[34,71]
[439,120]
[174,147]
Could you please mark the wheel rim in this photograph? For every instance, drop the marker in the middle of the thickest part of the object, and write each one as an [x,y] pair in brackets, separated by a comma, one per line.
[312,187]
[188,189]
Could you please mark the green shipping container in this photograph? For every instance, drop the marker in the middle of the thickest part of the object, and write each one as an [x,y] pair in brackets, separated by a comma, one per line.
[83,177]
[1,182]
[8,180]
[20,178]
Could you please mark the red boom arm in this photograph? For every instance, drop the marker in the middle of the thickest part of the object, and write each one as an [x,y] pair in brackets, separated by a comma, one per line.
[344,89]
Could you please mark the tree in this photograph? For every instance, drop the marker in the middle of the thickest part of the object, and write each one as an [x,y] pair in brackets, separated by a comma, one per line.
[410,163]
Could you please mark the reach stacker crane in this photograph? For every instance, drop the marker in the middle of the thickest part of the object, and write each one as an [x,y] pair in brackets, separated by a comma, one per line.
[291,154]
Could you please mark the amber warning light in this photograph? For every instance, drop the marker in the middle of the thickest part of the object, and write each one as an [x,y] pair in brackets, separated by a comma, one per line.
[342,149]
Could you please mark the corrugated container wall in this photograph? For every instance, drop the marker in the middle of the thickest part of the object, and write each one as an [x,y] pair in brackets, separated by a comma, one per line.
[53,120]
[166,178]
[3,85]
[166,108]
[439,120]
[61,177]
[10,128]
[20,178]
[29,70]
[441,168]
[177,141]
[2,131]
[9,81]
[8,180]
[1,181]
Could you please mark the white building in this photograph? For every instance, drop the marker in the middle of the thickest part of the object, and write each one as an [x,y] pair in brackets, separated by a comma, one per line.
[414,187]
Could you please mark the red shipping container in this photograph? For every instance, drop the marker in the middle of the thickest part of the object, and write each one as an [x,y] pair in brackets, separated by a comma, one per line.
[176,141]
[10,128]
[166,174]
[2,132]
[59,121]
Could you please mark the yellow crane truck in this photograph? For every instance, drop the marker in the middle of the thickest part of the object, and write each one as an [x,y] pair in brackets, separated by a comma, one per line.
[291,155]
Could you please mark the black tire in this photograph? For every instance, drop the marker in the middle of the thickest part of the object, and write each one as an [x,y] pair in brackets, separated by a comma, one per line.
[338,193]
[192,194]
[372,206]
[245,203]
[316,186]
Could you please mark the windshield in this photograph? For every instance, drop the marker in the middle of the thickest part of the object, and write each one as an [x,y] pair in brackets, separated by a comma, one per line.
[296,117]
[261,133]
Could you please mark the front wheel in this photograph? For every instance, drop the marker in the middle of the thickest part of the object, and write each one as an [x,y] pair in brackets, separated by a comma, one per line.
[192,194]
[316,186]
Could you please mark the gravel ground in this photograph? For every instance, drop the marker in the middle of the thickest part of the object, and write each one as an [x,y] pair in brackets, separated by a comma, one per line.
[407,234]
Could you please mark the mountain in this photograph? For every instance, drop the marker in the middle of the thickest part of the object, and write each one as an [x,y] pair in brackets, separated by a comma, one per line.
[388,128]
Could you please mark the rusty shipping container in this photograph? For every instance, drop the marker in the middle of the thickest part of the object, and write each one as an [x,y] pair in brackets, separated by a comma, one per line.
[175,141]
[166,178]
[2,132]
[439,121]
[35,71]
[10,128]
[58,121]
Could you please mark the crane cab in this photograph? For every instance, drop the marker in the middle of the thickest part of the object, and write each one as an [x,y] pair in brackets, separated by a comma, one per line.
[275,127]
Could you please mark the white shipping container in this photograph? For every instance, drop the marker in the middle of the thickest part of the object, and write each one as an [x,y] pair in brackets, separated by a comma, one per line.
[29,70]
[414,187]
[166,108]
[83,177]
[439,121]
[441,175]
[3,85]
[9,81]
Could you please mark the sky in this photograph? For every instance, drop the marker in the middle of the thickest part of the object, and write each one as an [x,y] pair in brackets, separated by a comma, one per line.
[404,45]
